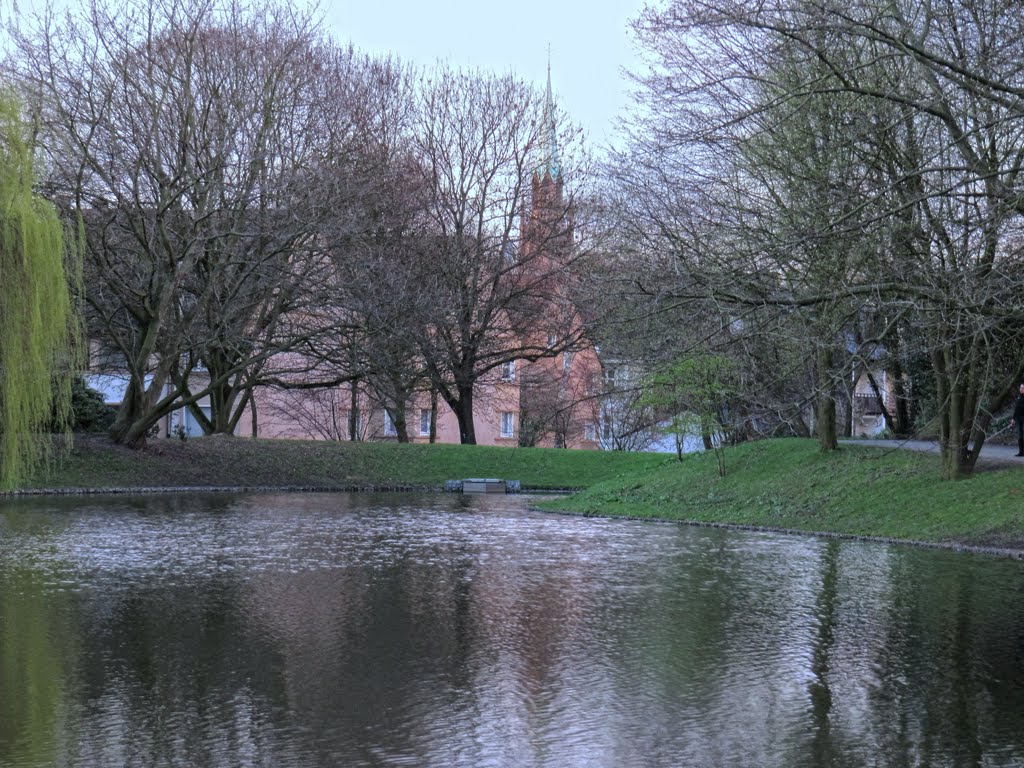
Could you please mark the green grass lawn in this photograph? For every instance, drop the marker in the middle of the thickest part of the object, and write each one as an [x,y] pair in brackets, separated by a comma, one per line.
[784,484]
[789,484]
[96,463]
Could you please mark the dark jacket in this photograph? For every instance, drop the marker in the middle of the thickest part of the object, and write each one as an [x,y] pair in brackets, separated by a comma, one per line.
[1018,410]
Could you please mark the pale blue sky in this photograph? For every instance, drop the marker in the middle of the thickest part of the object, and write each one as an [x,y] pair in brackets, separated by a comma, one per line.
[590,43]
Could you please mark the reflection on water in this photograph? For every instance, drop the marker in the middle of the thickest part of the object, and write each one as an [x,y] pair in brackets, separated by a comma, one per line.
[354,630]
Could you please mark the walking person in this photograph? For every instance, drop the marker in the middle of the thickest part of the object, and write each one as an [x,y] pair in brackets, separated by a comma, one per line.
[1018,420]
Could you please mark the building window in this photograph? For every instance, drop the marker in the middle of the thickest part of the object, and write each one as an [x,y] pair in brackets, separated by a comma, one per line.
[590,432]
[424,421]
[508,371]
[552,340]
[389,425]
[567,358]
[507,424]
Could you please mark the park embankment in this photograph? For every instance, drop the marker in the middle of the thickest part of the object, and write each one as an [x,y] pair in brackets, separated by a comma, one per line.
[94,463]
[788,484]
[784,484]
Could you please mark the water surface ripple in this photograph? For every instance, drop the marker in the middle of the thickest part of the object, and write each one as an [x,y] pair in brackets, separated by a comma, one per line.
[412,630]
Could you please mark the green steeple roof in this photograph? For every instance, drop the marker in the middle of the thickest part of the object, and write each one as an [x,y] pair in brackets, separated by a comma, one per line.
[549,136]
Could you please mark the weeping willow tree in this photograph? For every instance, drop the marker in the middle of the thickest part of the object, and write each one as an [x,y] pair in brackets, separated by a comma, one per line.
[37,318]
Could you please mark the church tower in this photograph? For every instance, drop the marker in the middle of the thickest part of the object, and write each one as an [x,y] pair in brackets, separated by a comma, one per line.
[547,224]
[547,176]
[556,403]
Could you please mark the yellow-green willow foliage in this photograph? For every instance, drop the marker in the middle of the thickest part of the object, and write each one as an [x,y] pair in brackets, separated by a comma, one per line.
[37,318]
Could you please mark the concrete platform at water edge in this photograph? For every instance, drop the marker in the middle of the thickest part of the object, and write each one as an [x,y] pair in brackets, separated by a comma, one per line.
[990,452]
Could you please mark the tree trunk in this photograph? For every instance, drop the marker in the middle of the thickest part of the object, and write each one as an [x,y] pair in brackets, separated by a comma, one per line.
[353,412]
[433,415]
[222,394]
[131,428]
[887,417]
[243,403]
[957,463]
[136,415]
[706,428]
[401,425]
[904,416]
[221,415]
[128,413]
[255,415]
[826,410]
[464,413]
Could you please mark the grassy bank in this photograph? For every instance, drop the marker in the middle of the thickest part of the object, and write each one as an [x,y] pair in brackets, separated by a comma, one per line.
[96,463]
[789,484]
[775,483]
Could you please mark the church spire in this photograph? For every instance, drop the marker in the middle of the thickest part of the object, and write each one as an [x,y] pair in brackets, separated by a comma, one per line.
[549,137]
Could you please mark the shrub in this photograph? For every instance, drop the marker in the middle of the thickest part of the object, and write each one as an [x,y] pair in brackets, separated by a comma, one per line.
[88,411]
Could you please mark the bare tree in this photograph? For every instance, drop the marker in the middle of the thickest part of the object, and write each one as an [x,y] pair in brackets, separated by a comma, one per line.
[926,99]
[500,208]
[199,142]
[654,298]
[376,253]
[324,412]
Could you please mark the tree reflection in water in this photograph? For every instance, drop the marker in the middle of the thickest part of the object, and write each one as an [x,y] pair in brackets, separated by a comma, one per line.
[303,630]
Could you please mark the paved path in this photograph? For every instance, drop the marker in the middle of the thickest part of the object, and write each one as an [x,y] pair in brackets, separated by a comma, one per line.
[990,452]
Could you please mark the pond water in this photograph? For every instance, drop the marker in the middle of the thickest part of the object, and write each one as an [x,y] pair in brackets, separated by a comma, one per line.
[400,630]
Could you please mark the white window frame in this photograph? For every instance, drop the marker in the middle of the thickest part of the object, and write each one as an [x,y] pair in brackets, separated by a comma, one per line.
[508,371]
[389,425]
[590,431]
[425,419]
[508,424]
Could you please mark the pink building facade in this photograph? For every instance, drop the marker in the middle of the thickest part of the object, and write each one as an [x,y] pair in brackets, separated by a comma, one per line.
[547,410]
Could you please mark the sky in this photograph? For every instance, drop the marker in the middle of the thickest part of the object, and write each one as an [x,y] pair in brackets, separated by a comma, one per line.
[589,42]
